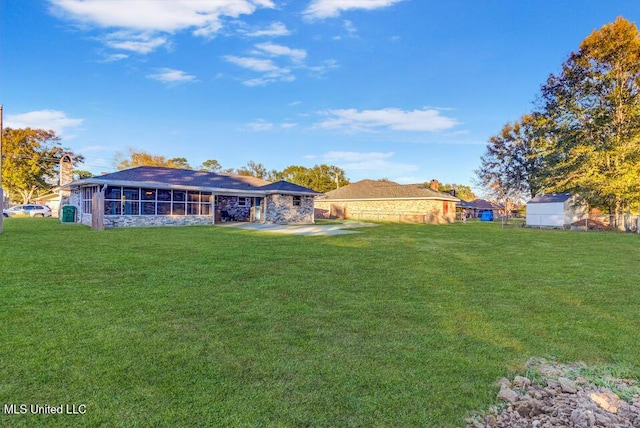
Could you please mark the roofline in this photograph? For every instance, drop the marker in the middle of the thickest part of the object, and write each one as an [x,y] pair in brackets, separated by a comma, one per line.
[217,190]
[451,199]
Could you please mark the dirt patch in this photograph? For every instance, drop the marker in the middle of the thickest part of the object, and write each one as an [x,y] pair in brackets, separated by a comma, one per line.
[563,395]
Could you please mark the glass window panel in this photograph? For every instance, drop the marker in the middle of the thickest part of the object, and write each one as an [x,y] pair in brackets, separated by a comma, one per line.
[149,195]
[131,208]
[178,208]
[131,194]
[179,195]
[193,209]
[164,208]
[164,195]
[112,193]
[193,196]
[205,209]
[205,197]
[112,208]
[149,208]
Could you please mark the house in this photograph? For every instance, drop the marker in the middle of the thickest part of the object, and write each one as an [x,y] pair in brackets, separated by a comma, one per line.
[157,196]
[555,210]
[52,200]
[388,201]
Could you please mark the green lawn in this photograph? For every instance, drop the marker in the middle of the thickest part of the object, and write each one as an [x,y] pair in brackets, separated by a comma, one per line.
[401,325]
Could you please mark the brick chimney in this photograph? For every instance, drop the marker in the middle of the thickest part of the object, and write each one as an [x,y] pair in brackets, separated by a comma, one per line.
[66,177]
[66,169]
[434,184]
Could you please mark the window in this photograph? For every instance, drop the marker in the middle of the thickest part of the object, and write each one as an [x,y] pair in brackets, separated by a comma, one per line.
[145,201]
[113,201]
[86,197]
[297,200]
[242,202]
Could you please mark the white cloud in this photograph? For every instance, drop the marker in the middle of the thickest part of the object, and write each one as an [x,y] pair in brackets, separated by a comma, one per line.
[425,120]
[203,17]
[43,119]
[114,58]
[280,50]
[270,71]
[171,76]
[276,29]
[319,9]
[261,125]
[141,43]
[367,164]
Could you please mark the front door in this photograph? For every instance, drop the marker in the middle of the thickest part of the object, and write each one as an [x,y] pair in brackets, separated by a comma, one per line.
[257,207]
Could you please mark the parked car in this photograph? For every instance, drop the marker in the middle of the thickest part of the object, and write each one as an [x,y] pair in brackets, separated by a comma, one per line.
[31,210]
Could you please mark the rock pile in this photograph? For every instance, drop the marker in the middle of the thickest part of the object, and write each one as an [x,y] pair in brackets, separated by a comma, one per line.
[558,396]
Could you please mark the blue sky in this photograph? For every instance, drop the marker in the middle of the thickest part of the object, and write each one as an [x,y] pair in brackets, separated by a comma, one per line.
[407,90]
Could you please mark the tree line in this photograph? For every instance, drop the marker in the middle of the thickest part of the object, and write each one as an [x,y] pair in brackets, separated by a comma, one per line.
[583,135]
[321,178]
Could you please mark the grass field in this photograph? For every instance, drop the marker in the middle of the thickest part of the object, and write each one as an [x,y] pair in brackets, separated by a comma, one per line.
[401,325]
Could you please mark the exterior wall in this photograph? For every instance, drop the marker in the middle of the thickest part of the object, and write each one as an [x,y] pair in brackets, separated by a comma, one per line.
[554,214]
[280,209]
[229,204]
[410,211]
[111,221]
[545,215]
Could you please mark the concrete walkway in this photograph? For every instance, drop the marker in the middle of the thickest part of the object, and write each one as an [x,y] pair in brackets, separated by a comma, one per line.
[303,229]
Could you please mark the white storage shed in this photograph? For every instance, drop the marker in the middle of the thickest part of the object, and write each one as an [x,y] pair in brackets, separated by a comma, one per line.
[555,210]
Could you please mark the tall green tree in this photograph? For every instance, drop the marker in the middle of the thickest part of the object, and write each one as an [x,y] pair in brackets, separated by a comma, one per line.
[211,165]
[463,191]
[31,160]
[593,109]
[253,169]
[321,178]
[513,164]
[179,163]
[135,158]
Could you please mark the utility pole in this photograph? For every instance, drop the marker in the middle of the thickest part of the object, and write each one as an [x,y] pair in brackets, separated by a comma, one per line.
[1,192]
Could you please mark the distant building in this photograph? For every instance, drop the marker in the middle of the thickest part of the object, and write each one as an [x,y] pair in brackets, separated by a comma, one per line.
[388,201]
[555,210]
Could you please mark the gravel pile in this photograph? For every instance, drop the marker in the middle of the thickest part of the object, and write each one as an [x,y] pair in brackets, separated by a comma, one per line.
[561,395]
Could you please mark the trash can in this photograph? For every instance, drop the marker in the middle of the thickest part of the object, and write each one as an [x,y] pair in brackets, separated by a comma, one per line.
[68,214]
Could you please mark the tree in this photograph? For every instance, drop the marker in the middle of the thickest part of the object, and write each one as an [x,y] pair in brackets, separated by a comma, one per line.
[179,163]
[253,169]
[321,178]
[593,109]
[512,165]
[210,165]
[141,158]
[30,162]
[79,174]
[462,191]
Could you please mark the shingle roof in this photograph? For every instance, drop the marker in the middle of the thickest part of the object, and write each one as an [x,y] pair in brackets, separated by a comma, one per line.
[154,175]
[373,189]
[483,204]
[546,198]
[285,186]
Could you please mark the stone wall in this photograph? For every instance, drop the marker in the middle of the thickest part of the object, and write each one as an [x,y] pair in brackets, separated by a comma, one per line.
[409,211]
[111,221]
[280,210]
[229,204]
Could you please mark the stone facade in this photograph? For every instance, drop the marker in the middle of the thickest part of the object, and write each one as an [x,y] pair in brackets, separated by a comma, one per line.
[230,205]
[396,210]
[281,210]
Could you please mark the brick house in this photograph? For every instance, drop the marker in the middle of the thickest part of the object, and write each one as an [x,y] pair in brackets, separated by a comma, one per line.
[388,201]
[157,196]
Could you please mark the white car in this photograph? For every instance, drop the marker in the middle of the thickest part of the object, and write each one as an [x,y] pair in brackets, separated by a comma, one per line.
[31,210]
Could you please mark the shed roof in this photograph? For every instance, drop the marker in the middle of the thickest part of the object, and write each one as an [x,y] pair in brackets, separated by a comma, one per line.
[547,198]
[374,189]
